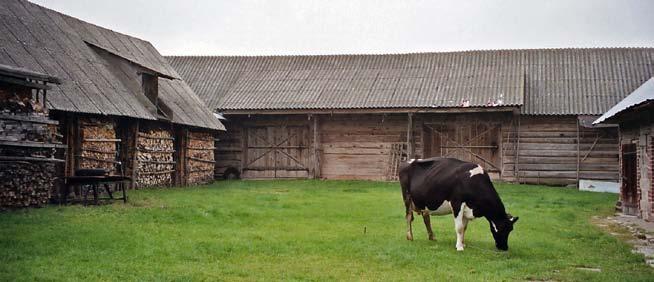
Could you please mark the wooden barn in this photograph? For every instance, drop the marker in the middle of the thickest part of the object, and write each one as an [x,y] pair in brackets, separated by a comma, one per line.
[635,116]
[525,115]
[119,105]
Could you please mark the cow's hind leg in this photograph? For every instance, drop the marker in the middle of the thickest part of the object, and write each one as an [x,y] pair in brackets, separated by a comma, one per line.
[409,219]
[426,219]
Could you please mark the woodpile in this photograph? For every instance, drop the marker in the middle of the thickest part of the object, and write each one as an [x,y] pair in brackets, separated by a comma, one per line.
[17,190]
[155,162]
[28,142]
[200,158]
[99,145]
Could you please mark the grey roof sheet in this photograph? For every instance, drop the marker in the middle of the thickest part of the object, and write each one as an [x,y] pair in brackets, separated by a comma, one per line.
[540,81]
[46,41]
[641,95]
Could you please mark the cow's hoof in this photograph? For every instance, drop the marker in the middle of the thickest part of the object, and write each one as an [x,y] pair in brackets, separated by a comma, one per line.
[431,238]
[409,236]
[459,248]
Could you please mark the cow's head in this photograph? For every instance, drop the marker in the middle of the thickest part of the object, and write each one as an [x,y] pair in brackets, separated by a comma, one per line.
[501,229]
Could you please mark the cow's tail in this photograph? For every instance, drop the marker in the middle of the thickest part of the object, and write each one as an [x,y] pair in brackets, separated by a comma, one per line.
[405,183]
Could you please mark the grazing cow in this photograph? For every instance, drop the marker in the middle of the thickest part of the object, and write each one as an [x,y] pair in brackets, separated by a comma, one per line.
[440,186]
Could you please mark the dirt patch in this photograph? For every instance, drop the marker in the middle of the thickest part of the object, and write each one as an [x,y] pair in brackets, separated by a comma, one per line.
[637,232]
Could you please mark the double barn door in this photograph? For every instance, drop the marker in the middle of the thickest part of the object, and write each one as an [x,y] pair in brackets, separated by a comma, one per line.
[474,141]
[277,152]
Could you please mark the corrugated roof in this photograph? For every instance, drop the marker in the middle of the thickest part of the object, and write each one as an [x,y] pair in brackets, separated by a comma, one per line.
[540,81]
[46,41]
[641,95]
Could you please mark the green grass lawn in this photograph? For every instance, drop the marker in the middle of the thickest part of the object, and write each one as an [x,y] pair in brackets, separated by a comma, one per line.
[308,230]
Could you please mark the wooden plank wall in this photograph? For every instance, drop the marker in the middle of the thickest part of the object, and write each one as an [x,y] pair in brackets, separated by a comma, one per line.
[359,146]
[293,134]
[548,151]
[473,129]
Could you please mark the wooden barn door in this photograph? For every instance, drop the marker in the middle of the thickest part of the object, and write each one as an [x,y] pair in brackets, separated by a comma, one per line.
[629,193]
[473,141]
[277,152]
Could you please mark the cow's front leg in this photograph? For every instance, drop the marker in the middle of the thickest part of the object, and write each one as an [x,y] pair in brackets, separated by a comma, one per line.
[426,219]
[460,223]
[409,231]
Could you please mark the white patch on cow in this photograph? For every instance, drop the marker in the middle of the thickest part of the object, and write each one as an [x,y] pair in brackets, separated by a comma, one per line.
[494,226]
[413,160]
[460,225]
[477,170]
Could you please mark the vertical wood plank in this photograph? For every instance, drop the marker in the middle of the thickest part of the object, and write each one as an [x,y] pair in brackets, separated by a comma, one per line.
[134,160]
[316,148]
[409,133]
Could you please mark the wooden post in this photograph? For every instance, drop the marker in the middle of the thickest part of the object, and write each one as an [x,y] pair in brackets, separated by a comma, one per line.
[134,160]
[578,152]
[244,149]
[516,169]
[409,133]
[316,149]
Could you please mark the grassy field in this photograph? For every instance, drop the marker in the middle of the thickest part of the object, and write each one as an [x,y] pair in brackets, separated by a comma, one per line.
[308,230]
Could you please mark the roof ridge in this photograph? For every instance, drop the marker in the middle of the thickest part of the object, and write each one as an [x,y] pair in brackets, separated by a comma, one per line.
[86,22]
[417,53]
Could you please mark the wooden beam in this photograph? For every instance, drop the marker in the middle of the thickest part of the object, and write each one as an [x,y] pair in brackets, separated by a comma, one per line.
[134,160]
[517,153]
[316,148]
[409,135]
[578,152]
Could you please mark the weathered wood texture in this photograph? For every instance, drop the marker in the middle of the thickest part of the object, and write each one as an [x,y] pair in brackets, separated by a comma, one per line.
[99,144]
[199,158]
[637,162]
[229,148]
[371,146]
[155,162]
[362,146]
[471,137]
[548,151]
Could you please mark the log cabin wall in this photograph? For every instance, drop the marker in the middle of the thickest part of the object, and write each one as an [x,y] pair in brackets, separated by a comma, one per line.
[362,146]
[371,146]
[199,157]
[555,150]
[155,160]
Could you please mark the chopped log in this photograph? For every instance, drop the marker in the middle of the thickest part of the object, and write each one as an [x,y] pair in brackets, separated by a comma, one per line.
[200,161]
[154,157]
[99,145]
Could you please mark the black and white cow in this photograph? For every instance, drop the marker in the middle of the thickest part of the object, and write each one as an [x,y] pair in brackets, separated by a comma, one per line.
[440,186]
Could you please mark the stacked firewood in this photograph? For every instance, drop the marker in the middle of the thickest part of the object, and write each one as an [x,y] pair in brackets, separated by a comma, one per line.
[200,158]
[99,145]
[155,163]
[25,184]
[27,169]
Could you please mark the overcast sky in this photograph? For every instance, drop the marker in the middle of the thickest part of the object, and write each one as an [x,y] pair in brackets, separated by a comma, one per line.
[289,27]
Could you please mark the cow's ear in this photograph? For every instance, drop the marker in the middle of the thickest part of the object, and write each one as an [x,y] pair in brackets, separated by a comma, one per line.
[514,219]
